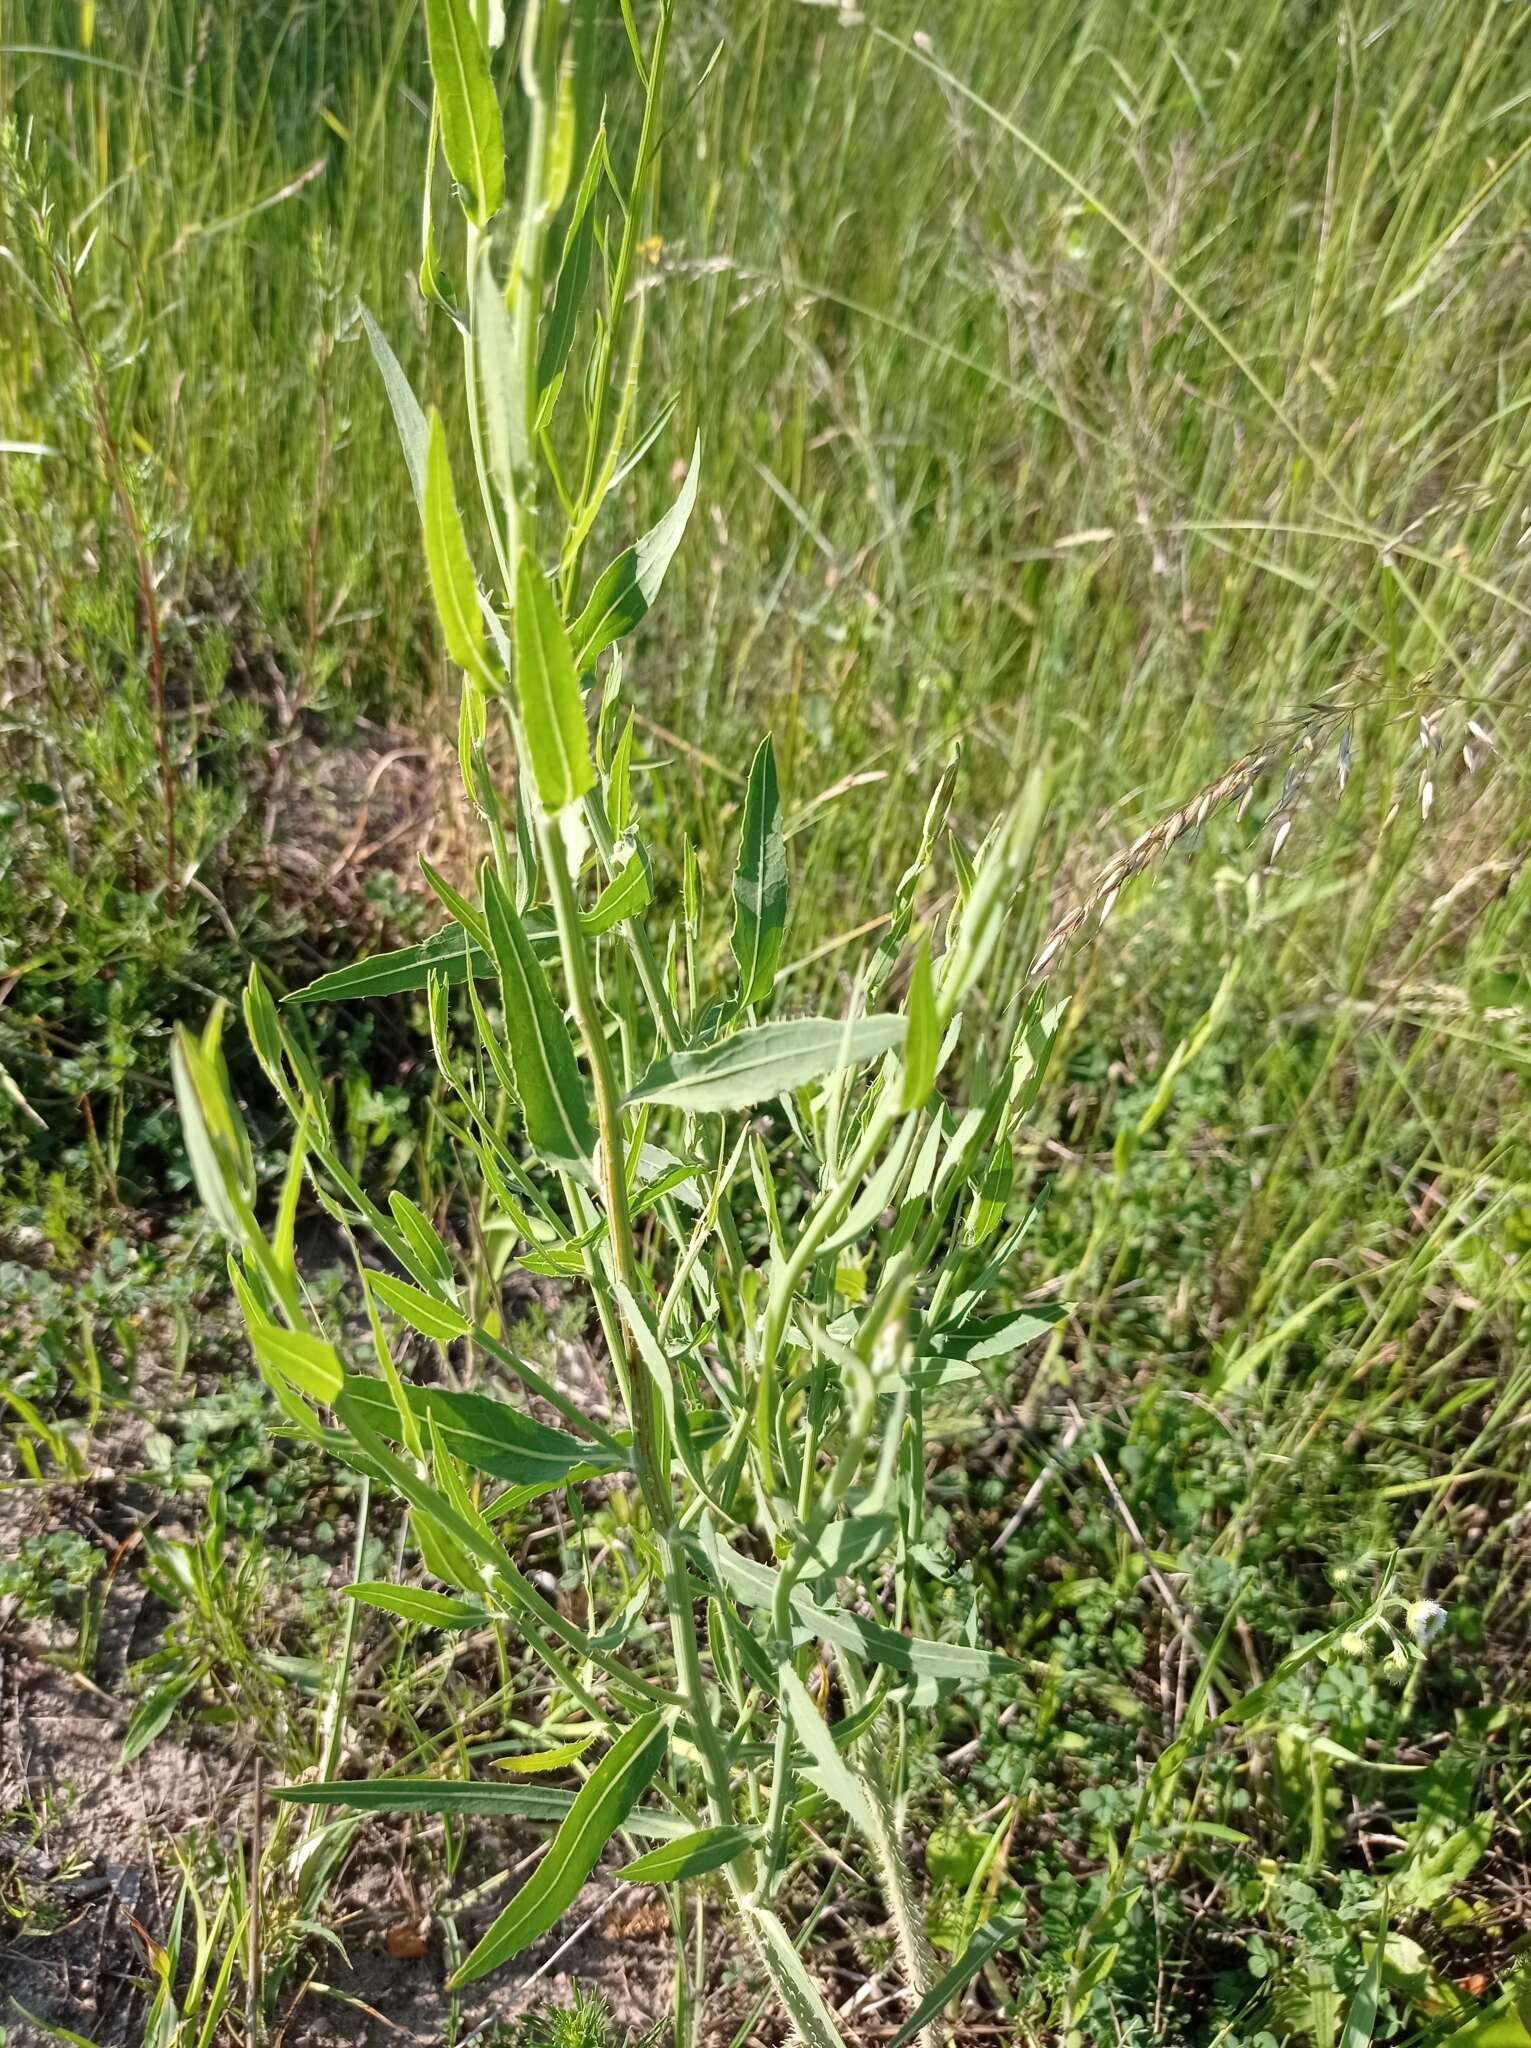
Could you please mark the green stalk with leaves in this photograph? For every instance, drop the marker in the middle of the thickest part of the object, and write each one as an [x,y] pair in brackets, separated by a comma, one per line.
[787,1228]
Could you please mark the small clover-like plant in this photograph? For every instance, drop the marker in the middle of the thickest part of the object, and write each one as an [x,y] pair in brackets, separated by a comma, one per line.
[790,1233]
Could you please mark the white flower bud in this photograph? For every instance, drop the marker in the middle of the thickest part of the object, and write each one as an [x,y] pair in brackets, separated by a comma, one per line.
[1425,1619]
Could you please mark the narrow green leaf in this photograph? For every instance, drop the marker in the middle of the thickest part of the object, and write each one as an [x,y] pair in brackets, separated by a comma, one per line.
[918,1656]
[414,1603]
[1361,2013]
[467,1796]
[152,1716]
[308,1363]
[573,278]
[626,590]
[453,584]
[489,1435]
[433,1261]
[692,1856]
[551,1090]
[846,1545]
[973,1337]
[467,914]
[828,1769]
[922,1046]
[552,711]
[407,416]
[768,1060]
[501,378]
[355,1410]
[657,1365]
[600,1807]
[471,133]
[435,1319]
[401,972]
[545,1759]
[994,1935]
[211,1143]
[619,783]
[878,1194]
[760,882]
[625,895]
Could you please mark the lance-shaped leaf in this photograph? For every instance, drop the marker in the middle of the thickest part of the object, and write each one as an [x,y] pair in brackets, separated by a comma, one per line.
[407,416]
[573,276]
[827,1769]
[548,1081]
[623,896]
[877,1195]
[438,1320]
[216,1141]
[994,1935]
[306,1362]
[552,712]
[409,968]
[491,1436]
[467,914]
[501,378]
[446,953]
[459,1796]
[625,591]
[453,584]
[918,1656]
[415,1603]
[922,1047]
[650,1350]
[559,1759]
[768,1060]
[432,1265]
[692,1856]
[970,1338]
[471,134]
[760,882]
[600,1807]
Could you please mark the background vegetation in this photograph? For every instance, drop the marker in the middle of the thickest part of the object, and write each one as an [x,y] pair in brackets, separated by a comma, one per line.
[1137,389]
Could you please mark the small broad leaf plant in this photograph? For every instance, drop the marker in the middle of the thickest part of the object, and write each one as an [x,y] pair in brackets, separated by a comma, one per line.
[779,1312]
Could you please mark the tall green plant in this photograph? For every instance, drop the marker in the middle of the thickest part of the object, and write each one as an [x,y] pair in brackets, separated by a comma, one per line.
[787,1228]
